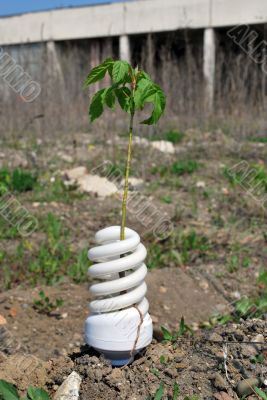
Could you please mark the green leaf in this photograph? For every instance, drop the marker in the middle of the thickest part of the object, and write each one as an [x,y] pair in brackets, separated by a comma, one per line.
[160,392]
[96,107]
[8,391]
[37,394]
[263,278]
[124,98]
[109,97]
[182,327]
[142,92]
[243,306]
[120,71]
[158,99]
[176,391]
[143,75]
[98,73]
[166,334]
[261,393]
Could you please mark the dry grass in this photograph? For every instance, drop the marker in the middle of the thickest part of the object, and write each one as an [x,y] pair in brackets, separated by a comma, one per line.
[174,60]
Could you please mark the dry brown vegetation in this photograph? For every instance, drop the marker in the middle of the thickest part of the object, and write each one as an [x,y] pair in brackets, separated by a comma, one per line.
[173,59]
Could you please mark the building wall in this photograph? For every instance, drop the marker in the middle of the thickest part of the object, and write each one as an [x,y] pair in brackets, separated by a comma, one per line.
[132,17]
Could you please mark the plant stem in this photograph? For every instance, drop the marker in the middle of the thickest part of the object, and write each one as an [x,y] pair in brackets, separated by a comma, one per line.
[126,183]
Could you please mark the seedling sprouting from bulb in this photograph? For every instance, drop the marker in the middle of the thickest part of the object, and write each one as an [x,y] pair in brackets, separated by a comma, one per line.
[120,252]
[132,88]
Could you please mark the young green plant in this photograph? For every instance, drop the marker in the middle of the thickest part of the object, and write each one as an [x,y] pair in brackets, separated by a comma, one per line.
[9,392]
[132,88]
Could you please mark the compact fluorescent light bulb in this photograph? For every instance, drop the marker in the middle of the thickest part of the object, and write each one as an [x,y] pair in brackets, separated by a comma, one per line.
[115,323]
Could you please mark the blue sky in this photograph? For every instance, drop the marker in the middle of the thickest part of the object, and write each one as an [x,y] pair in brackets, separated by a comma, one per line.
[21,6]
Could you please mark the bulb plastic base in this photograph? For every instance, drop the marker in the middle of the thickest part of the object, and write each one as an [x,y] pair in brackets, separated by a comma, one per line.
[113,334]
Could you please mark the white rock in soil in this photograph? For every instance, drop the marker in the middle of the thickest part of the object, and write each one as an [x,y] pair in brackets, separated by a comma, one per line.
[136,183]
[102,187]
[69,390]
[258,339]
[141,141]
[66,157]
[200,184]
[75,173]
[164,146]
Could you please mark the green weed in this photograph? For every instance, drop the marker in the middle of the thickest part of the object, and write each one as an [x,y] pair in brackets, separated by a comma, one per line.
[172,337]
[18,180]
[233,264]
[175,393]
[191,242]
[245,308]
[262,395]
[178,168]
[179,248]
[53,255]
[44,305]
[166,199]
[9,392]
[258,139]
[160,392]
[78,270]
[7,231]
[57,191]
[257,359]
[173,136]
[184,167]
[253,178]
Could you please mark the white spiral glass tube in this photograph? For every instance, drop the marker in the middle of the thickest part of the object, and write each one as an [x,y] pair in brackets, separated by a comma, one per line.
[115,296]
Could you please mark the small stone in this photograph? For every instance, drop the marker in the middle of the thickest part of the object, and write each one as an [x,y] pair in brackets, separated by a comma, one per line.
[66,157]
[98,185]
[136,183]
[215,337]
[64,315]
[141,141]
[245,387]
[75,173]
[162,289]
[222,396]
[157,334]
[3,321]
[219,382]
[164,146]
[238,334]
[98,375]
[154,318]
[249,350]
[259,339]
[179,357]
[116,378]
[236,295]
[181,366]
[69,390]
[171,372]
[204,285]
[200,184]
[225,191]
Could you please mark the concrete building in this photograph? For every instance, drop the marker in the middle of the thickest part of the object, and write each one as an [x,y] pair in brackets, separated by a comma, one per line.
[123,20]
